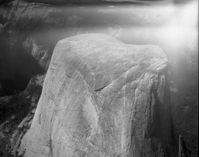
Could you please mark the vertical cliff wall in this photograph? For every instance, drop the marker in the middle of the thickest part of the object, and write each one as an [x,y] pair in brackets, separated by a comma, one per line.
[103,98]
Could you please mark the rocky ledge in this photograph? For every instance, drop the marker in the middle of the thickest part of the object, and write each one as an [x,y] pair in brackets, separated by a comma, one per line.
[103,98]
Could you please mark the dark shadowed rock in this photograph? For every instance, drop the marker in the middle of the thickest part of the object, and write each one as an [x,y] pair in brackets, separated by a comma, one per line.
[16,65]
[16,113]
[103,98]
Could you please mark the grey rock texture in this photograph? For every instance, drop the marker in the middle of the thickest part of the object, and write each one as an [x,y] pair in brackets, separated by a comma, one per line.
[34,29]
[103,98]
[16,114]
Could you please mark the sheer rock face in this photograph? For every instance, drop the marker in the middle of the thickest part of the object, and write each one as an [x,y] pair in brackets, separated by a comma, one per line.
[103,98]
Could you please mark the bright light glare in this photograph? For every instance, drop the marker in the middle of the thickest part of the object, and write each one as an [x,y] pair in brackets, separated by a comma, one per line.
[188,15]
[182,27]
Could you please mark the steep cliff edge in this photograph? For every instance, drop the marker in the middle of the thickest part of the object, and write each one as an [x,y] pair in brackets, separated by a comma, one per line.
[103,98]
[35,28]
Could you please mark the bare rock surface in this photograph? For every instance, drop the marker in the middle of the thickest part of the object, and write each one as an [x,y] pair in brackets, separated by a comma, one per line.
[34,29]
[16,114]
[103,98]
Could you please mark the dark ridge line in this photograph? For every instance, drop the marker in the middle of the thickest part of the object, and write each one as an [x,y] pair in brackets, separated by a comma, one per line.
[100,89]
[97,2]
[71,3]
[89,3]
